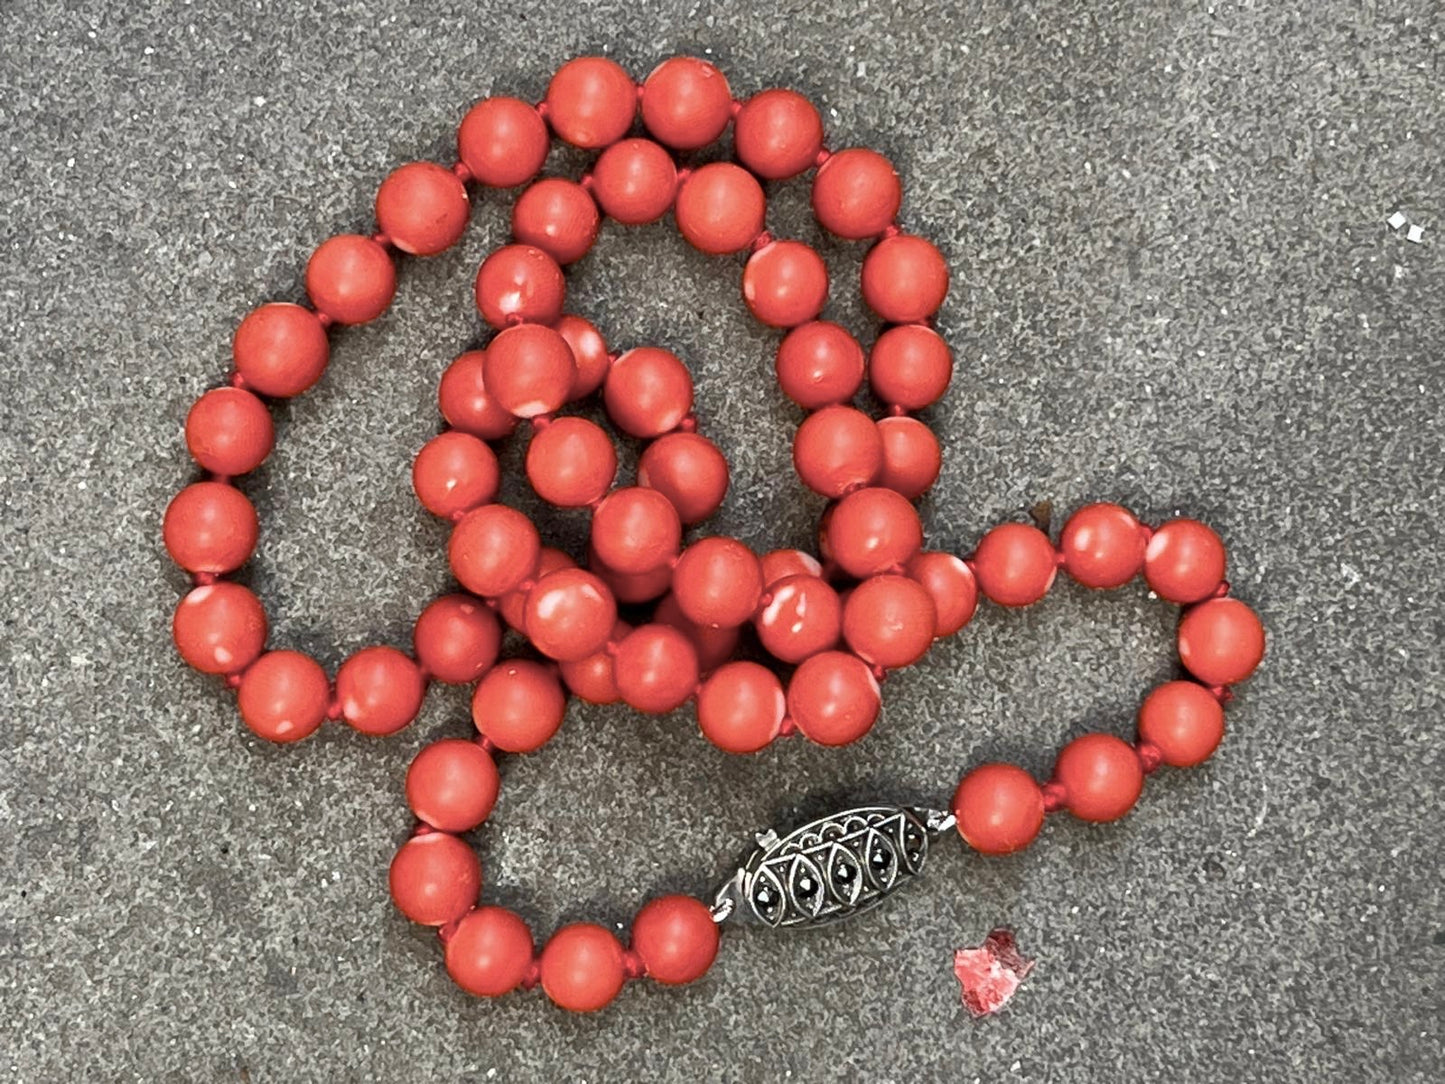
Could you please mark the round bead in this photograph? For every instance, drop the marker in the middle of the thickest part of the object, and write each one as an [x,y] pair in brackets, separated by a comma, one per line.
[1184,721]
[519,284]
[911,456]
[283,696]
[422,208]
[785,283]
[714,646]
[583,967]
[1015,564]
[656,669]
[529,370]
[589,352]
[635,181]
[633,587]
[489,952]
[518,705]
[676,939]
[591,102]
[801,615]
[889,620]
[648,392]
[740,708]
[999,808]
[686,103]
[210,527]
[1101,777]
[833,698]
[1184,561]
[435,878]
[452,785]
[1221,641]
[720,208]
[635,530]
[717,582]
[465,402]
[280,349]
[502,142]
[513,605]
[819,364]
[456,639]
[872,531]
[493,549]
[689,471]
[777,134]
[453,473]
[558,216]
[571,462]
[592,679]
[229,431]
[219,628]
[837,450]
[379,690]
[350,278]
[910,366]
[905,279]
[779,564]
[1102,546]
[856,193]
[952,586]
[570,614]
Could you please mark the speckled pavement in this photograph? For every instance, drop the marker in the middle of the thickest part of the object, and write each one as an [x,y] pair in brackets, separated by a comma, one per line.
[1174,287]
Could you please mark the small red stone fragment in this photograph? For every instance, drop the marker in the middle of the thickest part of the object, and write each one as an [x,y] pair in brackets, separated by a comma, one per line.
[990,973]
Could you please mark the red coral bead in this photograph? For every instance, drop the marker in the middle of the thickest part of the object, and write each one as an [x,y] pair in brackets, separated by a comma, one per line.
[519,284]
[632,587]
[676,939]
[635,530]
[1221,641]
[571,462]
[778,134]
[873,530]
[801,615]
[513,605]
[583,967]
[779,564]
[280,349]
[1015,564]
[559,217]
[905,279]
[837,450]
[911,456]
[785,283]
[219,628]
[686,103]
[656,668]
[720,208]
[229,431]
[502,142]
[465,402]
[351,279]
[210,527]
[717,582]
[689,471]
[1102,546]
[910,367]
[952,586]
[740,708]
[593,678]
[1184,721]
[819,364]
[856,194]
[379,690]
[570,614]
[489,952]
[283,696]
[422,208]
[456,639]
[833,698]
[635,181]
[453,473]
[589,352]
[999,808]
[591,102]
[518,705]
[648,392]
[493,549]
[889,620]
[1101,777]
[529,369]
[435,879]
[1184,561]
[452,785]
[714,645]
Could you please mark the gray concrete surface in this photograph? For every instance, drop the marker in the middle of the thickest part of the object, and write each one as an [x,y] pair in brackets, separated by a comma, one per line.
[1174,287]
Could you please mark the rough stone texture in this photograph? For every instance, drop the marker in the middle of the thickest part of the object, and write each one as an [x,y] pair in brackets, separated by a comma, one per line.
[1174,287]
